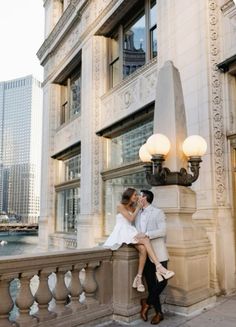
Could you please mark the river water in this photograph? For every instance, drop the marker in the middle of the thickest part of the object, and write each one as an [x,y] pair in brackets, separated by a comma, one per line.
[18,244]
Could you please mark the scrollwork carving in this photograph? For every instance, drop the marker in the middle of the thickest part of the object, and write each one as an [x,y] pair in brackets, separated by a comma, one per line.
[216,104]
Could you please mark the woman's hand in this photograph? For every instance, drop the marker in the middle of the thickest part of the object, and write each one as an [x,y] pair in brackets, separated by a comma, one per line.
[139,203]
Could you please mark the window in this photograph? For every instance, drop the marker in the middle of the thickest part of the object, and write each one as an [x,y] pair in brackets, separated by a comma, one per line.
[72,168]
[134,42]
[153,29]
[71,97]
[68,191]
[124,148]
[123,167]
[115,60]
[68,204]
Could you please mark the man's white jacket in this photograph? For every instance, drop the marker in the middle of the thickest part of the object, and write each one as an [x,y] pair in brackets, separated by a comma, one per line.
[152,222]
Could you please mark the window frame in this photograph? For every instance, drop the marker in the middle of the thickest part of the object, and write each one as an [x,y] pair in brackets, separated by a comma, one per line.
[69,153]
[119,31]
[66,103]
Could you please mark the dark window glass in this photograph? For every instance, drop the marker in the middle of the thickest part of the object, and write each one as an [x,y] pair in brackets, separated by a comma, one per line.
[153,29]
[115,62]
[68,204]
[75,95]
[134,46]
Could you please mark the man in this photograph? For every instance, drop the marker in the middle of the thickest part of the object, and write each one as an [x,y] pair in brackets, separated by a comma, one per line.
[151,222]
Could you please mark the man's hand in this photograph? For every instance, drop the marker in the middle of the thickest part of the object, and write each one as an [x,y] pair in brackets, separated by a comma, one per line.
[139,236]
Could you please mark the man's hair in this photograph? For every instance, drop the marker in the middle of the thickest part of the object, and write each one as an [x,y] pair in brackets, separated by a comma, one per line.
[149,195]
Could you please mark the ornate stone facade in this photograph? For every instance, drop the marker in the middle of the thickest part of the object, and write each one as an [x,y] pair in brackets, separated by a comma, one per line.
[196,36]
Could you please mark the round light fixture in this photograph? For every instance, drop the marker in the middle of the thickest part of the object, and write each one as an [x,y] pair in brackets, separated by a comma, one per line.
[158,144]
[144,155]
[194,146]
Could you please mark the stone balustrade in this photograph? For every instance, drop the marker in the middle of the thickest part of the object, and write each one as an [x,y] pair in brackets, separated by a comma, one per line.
[68,288]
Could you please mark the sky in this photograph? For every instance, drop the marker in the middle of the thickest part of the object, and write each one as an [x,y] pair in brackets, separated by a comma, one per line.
[21,35]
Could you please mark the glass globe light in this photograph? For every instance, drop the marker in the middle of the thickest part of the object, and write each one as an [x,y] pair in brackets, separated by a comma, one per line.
[144,155]
[194,146]
[158,144]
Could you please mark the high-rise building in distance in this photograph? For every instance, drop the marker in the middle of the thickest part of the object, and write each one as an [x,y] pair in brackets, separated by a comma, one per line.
[20,147]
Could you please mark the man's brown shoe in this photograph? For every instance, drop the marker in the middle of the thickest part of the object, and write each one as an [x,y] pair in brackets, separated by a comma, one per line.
[157,318]
[144,310]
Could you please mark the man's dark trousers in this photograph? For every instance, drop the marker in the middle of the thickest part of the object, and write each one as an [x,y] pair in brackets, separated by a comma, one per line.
[154,287]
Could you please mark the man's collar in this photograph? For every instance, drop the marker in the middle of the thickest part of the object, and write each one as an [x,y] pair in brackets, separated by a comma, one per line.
[148,207]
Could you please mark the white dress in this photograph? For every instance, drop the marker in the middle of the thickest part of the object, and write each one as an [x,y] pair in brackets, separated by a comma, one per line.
[123,232]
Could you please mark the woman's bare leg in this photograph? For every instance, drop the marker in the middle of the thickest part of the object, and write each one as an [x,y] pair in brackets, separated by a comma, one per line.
[142,257]
[148,246]
[138,283]
[160,270]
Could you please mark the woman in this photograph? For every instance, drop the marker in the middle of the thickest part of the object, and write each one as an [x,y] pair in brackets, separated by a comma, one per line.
[125,232]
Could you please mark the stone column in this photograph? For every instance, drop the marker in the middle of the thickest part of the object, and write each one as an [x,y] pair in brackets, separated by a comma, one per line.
[126,300]
[189,250]
[25,300]
[90,284]
[51,104]
[90,218]
[6,304]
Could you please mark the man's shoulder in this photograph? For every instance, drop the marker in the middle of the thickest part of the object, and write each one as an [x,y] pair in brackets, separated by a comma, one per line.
[156,209]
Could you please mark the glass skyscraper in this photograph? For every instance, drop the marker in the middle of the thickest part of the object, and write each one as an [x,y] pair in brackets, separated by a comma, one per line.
[20,147]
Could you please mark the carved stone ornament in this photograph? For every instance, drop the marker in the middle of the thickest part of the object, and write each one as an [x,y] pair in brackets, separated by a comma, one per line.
[216,104]
[55,50]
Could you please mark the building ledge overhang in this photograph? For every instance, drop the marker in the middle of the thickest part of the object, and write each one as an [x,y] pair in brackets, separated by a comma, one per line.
[113,130]
[68,152]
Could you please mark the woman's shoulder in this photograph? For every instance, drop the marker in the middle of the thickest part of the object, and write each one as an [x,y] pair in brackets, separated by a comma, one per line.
[121,207]
[132,207]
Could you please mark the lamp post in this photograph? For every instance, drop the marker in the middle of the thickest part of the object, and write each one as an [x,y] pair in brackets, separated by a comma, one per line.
[154,151]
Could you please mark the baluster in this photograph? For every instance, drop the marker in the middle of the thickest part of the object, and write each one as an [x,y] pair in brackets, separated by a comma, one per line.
[61,292]
[6,303]
[24,301]
[90,284]
[76,288]
[43,296]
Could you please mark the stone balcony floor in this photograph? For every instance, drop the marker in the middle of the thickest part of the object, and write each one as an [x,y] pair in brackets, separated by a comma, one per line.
[223,314]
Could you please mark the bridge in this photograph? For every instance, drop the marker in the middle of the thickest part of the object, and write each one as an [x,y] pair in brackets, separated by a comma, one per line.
[18,227]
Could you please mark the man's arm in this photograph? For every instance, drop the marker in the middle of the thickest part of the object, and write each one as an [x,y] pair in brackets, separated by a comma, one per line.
[159,226]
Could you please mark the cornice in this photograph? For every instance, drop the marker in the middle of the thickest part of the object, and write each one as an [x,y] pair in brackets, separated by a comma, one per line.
[70,10]
[79,42]
[48,45]
[123,170]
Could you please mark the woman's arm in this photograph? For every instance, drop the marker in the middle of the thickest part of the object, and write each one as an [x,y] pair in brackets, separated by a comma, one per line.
[128,215]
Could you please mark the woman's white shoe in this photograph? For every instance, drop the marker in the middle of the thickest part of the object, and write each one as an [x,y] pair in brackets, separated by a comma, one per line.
[163,272]
[137,283]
